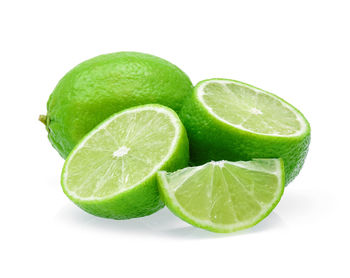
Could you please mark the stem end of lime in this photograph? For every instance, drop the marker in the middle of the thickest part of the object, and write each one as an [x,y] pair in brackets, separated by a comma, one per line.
[43,118]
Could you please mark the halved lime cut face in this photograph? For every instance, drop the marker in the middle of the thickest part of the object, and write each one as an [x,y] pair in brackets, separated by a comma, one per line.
[111,172]
[224,196]
[251,109]
[120,153]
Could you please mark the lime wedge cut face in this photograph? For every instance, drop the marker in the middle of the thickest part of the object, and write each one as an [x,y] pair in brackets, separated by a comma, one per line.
[224,196]
[111,172]
[251,109]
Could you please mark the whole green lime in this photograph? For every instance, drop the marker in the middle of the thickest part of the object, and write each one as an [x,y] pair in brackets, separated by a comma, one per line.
[106,84]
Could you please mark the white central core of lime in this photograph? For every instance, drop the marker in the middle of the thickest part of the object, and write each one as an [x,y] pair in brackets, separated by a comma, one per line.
[121,151]
[255,111]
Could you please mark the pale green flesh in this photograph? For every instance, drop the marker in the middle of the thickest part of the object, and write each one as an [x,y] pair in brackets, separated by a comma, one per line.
[120,154]
[222,193]
[251,109]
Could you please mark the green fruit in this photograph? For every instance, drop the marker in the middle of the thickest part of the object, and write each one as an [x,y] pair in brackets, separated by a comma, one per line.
[112,171]
[104,85]
[224,196]
[231,120]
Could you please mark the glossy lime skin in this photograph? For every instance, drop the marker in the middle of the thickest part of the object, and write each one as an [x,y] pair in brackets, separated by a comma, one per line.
[106,84]
[212,139]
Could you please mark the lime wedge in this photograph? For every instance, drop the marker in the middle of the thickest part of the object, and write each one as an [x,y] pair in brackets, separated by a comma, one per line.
[231,120]
[112,171]
[224,196]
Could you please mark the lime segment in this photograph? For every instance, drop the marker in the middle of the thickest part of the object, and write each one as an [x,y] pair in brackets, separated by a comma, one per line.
[224,196]
[122,154]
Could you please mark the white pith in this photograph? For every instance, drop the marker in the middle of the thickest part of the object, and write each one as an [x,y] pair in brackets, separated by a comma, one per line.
[200,93]
[121,151]
[208,223]
[218,163]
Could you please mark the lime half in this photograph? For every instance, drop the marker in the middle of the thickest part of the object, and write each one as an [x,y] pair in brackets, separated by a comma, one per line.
[112,171]
[231,120]
[224,196]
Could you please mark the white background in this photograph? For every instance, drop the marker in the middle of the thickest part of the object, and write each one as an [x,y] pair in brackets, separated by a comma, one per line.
[296,49]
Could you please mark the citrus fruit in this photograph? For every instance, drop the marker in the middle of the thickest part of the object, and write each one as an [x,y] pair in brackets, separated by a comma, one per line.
[224,196]
[231,120]
[104,85]
[112,171]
